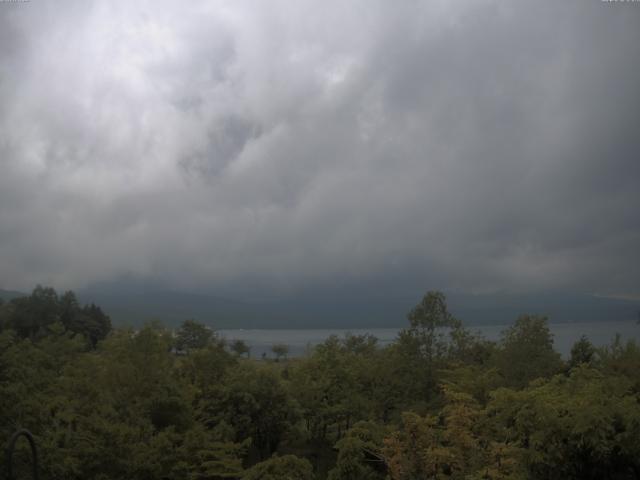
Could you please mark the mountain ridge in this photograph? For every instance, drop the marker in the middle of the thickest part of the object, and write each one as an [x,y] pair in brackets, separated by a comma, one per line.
[305,311]
[137,306]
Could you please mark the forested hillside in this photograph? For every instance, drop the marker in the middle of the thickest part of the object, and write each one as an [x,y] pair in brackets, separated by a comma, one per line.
[439,403]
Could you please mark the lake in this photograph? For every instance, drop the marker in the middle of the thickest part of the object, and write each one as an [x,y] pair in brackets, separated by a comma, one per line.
[301,342]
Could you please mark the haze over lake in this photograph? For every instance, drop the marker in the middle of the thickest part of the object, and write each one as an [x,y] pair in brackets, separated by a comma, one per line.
[301,341]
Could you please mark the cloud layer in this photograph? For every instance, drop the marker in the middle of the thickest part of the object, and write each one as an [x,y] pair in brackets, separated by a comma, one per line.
[476,146]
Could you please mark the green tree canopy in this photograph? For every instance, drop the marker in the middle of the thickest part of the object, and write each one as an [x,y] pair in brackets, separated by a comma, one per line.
[527,352]
[280,350]
[582,351]
[287,467]
[240,347]
[193,335]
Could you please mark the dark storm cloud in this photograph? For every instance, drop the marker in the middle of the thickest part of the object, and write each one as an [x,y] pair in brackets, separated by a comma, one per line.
[473,146]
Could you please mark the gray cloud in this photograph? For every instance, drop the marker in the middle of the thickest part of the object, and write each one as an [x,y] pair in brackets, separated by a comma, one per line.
[474,146]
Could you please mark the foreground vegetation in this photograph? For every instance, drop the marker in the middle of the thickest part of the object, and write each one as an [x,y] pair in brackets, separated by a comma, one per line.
[439,403]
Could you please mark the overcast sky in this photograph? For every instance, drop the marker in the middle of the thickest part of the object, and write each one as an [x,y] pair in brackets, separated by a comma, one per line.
[471,145]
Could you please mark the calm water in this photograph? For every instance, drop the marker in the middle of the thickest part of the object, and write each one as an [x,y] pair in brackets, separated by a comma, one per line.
[301,342]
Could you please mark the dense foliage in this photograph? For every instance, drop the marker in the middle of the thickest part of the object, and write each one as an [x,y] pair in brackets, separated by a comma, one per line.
[439,403]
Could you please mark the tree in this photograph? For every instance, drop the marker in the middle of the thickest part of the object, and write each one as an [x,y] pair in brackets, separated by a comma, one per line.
[428,321]
[621,359]
[69,309]
[97,324]
[360,344]
[240,347]
[359,454]
[581,426]
[450,445]
[423,348]
[582,351]
[287,467]
[195,454]
[527,352]
[193,335]
[32,315]
[205,369]
[280,350]
[89,321]
[252,398]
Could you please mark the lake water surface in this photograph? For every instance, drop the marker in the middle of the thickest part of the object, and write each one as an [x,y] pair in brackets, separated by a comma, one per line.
[301,342]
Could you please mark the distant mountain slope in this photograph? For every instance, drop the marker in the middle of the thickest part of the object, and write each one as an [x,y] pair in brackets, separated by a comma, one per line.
[169,307]
[7,295]
[559,307]
[136,307]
